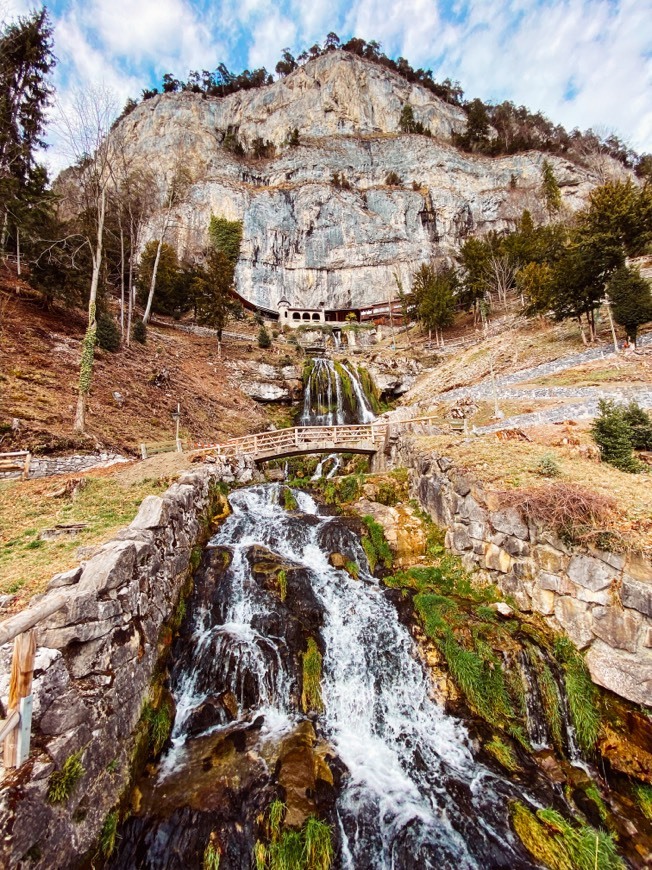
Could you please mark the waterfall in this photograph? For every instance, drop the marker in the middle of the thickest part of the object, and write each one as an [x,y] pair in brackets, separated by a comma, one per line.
[333,395]
[412,794]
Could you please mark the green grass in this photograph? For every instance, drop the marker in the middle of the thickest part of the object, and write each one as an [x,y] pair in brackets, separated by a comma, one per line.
[289,500]
[212,854]
[282,580]
[352,569]
[318,844]
[62,782]
[583,696]
[308,849]
[286,853]
[109,834]
[26,562]
[549,696]
[159,725]
[559,845]
[311,689]
[275,819]
[375,545]
[503,754]
[643,795]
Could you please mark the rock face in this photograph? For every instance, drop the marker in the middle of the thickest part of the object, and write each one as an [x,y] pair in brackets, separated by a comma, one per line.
[602,600]
[304,239]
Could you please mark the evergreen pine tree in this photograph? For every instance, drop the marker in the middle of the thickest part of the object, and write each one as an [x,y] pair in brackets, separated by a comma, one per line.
[550,189]
[613,435]
[631,299]
[640,423]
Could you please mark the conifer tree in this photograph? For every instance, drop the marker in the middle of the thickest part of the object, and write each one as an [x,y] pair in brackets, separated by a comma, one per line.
[613,435]
[631,299]
[550,189]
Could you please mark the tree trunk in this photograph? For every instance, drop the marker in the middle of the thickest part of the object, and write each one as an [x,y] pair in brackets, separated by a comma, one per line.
[88,345]
[18,251]
[152,283]
[579,320]
[122,282]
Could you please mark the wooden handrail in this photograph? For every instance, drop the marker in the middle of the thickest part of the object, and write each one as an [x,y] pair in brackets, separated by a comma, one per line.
[26,619]
[7,725]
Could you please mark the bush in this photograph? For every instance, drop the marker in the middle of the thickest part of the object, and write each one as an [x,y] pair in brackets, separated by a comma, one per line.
[613,435]
[548,466]
[571,511]
[264,338]
[108,333]
[139,332]
[640,423]
[392,179]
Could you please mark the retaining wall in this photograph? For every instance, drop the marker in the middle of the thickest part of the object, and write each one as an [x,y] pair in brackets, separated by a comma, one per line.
[94,667]
[602,600]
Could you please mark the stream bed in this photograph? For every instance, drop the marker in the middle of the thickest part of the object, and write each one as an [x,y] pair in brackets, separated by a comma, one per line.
[379,759]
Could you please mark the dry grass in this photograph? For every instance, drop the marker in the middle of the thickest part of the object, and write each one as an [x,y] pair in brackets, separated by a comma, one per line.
[570,510]
[626,371]
[505,466]
[39,369]
[107,501]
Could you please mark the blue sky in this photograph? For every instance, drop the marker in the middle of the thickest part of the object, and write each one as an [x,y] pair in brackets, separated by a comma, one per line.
[585,63]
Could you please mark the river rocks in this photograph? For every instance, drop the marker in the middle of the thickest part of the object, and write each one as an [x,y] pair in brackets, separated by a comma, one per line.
[401,526]
[602,600]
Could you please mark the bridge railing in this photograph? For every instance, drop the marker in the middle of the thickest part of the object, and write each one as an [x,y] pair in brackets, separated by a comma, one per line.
[302,437]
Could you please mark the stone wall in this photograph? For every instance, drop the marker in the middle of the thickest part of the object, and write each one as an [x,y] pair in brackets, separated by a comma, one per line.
[47,466]
[602,600]
[94,666]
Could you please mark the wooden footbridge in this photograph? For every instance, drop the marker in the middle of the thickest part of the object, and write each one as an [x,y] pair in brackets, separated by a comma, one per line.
[366,438]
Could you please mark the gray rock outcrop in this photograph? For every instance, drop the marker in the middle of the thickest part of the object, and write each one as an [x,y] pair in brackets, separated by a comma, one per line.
[305,239]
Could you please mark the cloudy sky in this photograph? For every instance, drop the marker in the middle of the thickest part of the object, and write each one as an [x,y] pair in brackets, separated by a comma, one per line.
[584,63]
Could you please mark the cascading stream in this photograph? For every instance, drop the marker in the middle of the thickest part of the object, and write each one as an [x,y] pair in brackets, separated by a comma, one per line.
[414,796]
[334,396]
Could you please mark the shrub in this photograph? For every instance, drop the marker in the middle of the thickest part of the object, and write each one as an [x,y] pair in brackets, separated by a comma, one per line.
[289,500]
[108,333]
[548,466]
[62,782]
[139,331]
[640,423]
[613,435]
[570,510]
[264,338]
[392,179]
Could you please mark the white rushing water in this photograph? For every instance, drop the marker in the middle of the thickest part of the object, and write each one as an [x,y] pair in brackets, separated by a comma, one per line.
[324,396]
[414,796]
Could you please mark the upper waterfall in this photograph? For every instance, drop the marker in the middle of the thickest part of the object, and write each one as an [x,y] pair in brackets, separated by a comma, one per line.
[334,395]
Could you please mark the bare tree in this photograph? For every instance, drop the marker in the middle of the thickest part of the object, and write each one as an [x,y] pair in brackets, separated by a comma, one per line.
[500,276]
[84,128]
[177,187]
[134,192]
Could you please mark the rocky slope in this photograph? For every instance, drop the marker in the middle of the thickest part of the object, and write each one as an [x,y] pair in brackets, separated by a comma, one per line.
[304,239]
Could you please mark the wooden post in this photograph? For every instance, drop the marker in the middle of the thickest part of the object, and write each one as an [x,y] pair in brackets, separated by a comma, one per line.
[143,451]
[16,747]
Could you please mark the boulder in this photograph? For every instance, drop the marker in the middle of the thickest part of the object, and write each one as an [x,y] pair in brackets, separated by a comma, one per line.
[637,595]
[617,627]
[627,675]
[593,574]
[573,616]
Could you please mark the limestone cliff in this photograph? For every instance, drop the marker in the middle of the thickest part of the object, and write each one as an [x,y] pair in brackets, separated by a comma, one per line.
[305,239]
